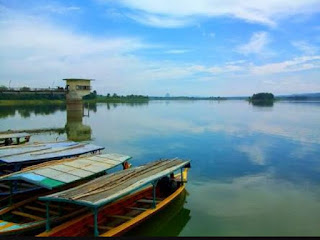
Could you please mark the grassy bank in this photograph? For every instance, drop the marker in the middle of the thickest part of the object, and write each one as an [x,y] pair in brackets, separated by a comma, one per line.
[116,101]
[60,102]
[30,102]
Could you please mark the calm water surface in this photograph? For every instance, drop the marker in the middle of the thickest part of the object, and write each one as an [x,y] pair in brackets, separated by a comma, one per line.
[255,170]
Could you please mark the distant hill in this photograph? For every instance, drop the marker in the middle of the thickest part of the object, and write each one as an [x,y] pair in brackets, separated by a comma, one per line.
[300,96]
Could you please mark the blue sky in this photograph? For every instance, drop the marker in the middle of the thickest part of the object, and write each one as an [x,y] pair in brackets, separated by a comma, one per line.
[181,47]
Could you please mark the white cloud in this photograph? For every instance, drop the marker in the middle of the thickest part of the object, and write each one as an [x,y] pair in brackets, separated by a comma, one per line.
[35,52]
[58,9]
[212,34]
[255,153]
[159,20]
[177,51]
[256,44]
[294,65]
[114,14]
[180,13]
[305,47]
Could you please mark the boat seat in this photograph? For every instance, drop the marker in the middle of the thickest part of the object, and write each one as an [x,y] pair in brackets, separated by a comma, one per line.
[27,215]
[138,208]
[147,201]
[105,228]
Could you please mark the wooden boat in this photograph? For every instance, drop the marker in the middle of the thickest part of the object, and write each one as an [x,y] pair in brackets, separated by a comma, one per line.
[29,213]
[121,200]
[12,159]
[167,223]
[8,139]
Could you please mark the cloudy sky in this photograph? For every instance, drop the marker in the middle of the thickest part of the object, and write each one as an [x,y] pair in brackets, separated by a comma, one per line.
[181,47]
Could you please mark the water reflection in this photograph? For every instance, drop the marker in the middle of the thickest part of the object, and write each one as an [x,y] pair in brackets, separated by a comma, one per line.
[25,111]
[255,170]
[253,205]
[262,103]
[131,104]
[75,129]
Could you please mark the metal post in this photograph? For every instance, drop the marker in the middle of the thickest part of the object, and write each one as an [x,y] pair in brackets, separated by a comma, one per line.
[11,193]
[60,210]
[96,230]
[48,217]
[154,184]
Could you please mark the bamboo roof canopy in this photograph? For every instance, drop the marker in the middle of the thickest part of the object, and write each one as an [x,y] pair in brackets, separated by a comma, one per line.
[14,135]
[45,151]
[60,172]
[108,188]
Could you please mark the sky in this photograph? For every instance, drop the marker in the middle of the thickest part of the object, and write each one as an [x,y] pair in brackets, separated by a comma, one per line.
[180,47]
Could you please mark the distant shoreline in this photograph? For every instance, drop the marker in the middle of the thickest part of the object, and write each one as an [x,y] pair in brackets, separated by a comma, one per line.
[63,102]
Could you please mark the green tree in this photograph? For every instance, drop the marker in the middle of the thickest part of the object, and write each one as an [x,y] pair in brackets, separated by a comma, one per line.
[2,87]
[25,89]
[262,97]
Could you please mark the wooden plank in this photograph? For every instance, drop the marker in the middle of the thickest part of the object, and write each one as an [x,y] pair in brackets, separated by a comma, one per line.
[79,163]
[41,210]
[72,170]
[4,186]
[14,135]
[147,201]
[27,215]
[65,177]
[21,153]
[120,216]
[95,168]
[57,175]
[105,228]
[55,206]
[105,160]
[157,199]
[106,188]
[115,156]
[138,208]
[60,149]
[82,173]
[62,167]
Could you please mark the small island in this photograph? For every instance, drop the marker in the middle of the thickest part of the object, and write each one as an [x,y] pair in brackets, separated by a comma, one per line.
[262,99]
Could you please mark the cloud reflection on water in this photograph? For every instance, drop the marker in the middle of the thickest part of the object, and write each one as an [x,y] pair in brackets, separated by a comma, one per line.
[253,205]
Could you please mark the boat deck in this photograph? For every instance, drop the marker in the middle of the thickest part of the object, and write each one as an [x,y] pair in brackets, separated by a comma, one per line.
[14,135]
[113,186]
[56,173]
[46,151]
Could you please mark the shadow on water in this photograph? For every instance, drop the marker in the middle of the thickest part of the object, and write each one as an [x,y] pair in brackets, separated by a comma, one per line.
[111,106]
[168,222]
[27,110]
[75,129]
[262,103]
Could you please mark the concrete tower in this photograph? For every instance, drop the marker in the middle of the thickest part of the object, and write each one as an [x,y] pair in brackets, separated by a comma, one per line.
[77,88]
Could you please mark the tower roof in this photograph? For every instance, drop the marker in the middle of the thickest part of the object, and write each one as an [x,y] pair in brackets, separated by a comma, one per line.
[78,79]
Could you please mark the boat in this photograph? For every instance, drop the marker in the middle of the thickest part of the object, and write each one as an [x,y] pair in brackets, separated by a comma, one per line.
[168,222]
[13,158]
[7,139]
[29,213]
[119,201]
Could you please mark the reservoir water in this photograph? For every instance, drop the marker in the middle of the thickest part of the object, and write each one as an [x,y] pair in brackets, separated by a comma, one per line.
[255,169]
